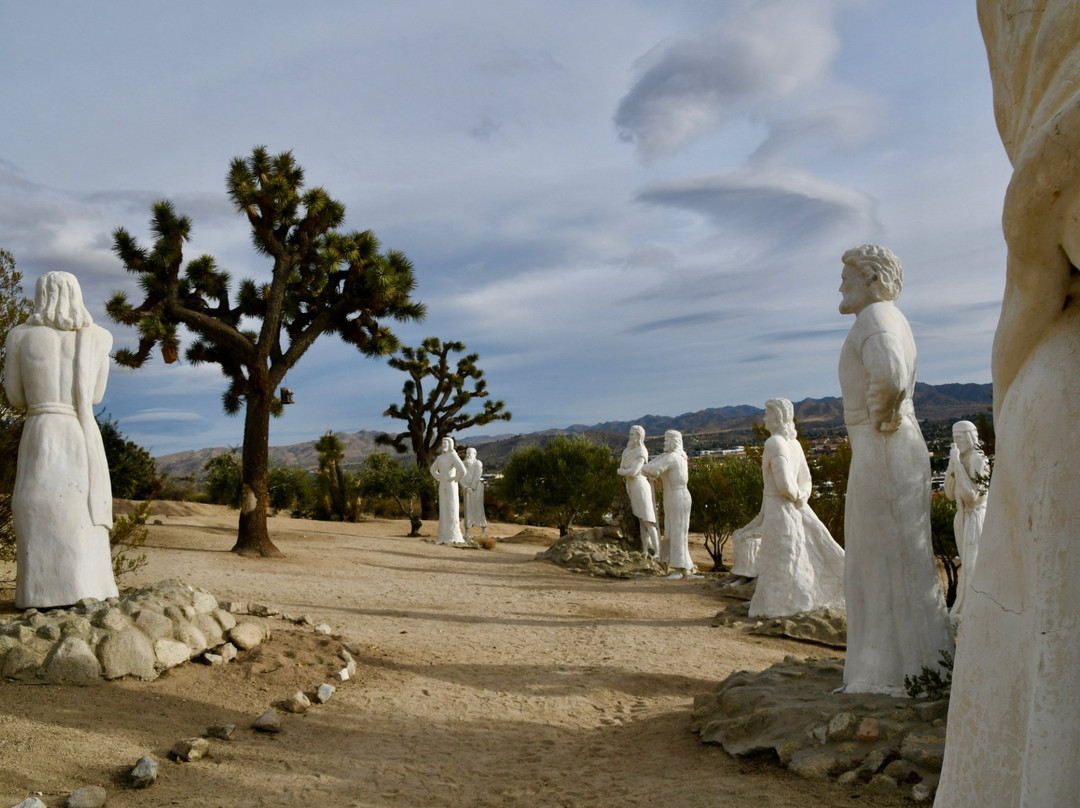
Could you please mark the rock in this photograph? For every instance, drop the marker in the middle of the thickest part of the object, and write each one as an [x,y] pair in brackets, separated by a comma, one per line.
[170,653]
[22,662]
[305,620]
[233,606]
[213,659]
[192,636]
[352,647]
[842,726]
[931,711]
[246,635]
[813,764]
[75,626]
[190,749]
[49,632]
[922,792]
[898,770]
[263,610]
[269,721]
[86,797]
[72,662]
[323,629]
[210,629]
[154,625]
[224,618]
[324,692]
[227,651]
[342,675]
[881,784]
[112,619]
[31,802]
[224,732]
[924,748]
[868,731]
[127,653]
[144,773]
[847,778]
[203,602]
[297,703]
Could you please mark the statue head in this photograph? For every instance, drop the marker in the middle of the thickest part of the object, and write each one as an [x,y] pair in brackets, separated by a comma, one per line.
[965,435]
[871,274]
[780,418]
[446,445]
[637,435]
[673,442]
[470,453]
[58,302]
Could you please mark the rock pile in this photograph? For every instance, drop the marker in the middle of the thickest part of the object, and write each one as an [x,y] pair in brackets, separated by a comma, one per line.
[600,551]
[824,626]
[889,743]
[140,634]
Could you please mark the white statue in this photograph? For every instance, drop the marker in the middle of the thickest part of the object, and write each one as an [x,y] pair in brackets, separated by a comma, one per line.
[671,469]
[800,567]
[57,364]
[449,471]
[1014,738]
[640,490]
[473,483]
[965,484]
[896,617]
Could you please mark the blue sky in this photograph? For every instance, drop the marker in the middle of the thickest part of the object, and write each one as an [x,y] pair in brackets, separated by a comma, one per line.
[625,208]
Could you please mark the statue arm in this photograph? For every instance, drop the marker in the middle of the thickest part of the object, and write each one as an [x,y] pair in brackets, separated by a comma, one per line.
[782,472]
[634,469]
[950,475]
[13,385]
[103,342]
[656,466]
[887,374]
[966,492]
[458,465]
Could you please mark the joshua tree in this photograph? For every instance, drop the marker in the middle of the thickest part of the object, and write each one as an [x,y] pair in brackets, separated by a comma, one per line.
[321,280]
[435,396]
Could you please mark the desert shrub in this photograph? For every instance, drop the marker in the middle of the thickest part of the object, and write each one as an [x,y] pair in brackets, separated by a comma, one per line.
[127,537]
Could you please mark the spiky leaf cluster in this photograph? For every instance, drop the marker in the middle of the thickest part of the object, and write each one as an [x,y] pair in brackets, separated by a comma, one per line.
[436,395]
[322,280]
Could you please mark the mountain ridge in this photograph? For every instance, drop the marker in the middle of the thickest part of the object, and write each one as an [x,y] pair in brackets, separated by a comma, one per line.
[714,426]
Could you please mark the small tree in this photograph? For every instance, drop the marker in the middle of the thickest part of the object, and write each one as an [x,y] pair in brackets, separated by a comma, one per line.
[321,281]
[336,487]
[727,494]
[436,395]
[383,477]
[568,480]
[224,479]
[943,539]
[830,473]
[290,489]
[132,471]
[14,309]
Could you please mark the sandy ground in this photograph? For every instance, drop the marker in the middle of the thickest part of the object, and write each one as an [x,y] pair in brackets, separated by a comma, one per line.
[486,679]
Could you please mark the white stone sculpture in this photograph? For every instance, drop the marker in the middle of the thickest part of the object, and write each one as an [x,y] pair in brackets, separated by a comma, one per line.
[897,621]
[640,490]
[57,365]
[449,471]
[672,470]
[473,483]
[965,484]
[800,567]
[1014,738]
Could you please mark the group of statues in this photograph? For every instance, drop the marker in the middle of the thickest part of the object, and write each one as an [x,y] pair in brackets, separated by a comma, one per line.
[454,475]
[1012,730]
[672,471]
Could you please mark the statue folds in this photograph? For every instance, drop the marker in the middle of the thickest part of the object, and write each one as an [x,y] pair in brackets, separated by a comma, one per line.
[897,622]
[57,365]
[672,470]
[800,568]
[640,490]
[965,484]
[473,483]
[449,471]
[1013,735]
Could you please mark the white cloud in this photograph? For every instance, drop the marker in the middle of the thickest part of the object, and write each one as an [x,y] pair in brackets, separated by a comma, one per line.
[761,53]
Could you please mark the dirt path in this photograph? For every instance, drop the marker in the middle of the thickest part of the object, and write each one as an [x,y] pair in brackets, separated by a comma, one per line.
[486,679]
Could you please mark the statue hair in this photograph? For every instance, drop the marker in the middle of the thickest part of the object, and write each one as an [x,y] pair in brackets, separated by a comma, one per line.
[786,413]
[58,302]
[676,439]
[880,267]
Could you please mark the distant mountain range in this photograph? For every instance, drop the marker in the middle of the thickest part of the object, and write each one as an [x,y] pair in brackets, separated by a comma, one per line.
[713,427]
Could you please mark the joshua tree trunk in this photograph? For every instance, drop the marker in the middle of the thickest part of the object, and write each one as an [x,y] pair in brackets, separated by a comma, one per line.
[252,538]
